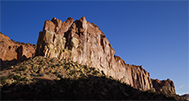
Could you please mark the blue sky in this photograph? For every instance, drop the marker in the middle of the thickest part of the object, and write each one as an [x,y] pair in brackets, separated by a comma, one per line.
[149,33]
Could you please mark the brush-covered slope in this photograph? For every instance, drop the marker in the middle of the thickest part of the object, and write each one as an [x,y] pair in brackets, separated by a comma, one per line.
[43,78]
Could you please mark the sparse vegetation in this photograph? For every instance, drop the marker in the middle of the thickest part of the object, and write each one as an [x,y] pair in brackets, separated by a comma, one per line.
[22,68]
[16,77]
[73,81]
[3,79]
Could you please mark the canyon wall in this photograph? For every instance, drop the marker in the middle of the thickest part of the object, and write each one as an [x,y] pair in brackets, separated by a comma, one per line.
[12,52]
[84,43]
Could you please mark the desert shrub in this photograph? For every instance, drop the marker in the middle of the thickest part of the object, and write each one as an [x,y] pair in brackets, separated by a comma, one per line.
[40,74]
[53,60]
[47,73]
[3,79]
[92,69]
[102,72]
[41,62]
[24,79]
[110,77]
[60,76]
[16,77]
[10,76]
[17,82]
[56,73]
[66,67]
[95,72]
[58,64]
[16,70]
[85,66]
[53,66]
[22,68]
[82,75]
[72,72]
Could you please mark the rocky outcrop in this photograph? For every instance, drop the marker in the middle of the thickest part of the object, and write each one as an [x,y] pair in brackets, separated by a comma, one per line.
[12,52]
[186,96]
[84,43]
[164,86]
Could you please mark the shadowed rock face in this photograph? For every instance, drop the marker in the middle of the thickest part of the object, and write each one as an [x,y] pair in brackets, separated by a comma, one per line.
[186,96]
[164,86]
[12,52]
[84,43]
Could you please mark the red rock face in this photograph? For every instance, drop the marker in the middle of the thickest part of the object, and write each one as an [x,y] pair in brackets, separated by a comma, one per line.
[84,43]
[165,86]
[11,52]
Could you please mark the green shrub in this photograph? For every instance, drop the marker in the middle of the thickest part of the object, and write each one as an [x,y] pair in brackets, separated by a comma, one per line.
[17,82]
[16,77]
[110,77]
[60,76]
[47,73]
[82,75]
[3,77]
[92,69]
[41,62]
[66,67]
[85,66]
[22,68]
[103,73]
[16,70]
[95,72]
[56,73]
[58,65]
[41,75]
[24,79]
[53,66]
[72,72]
[10,76]
[3,81]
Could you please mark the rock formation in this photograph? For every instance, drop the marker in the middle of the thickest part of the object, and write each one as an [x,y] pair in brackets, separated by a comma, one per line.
[164,86]
[84,43]
[12,52]
[186,96]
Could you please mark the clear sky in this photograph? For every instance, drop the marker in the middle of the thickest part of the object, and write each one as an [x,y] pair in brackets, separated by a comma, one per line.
[149,33]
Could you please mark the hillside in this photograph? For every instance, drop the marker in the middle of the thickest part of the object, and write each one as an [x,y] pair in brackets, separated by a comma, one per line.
[54,79]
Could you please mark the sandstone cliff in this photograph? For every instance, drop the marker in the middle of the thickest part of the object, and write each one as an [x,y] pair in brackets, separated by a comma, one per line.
[164,86]
[84,43]
[12,52]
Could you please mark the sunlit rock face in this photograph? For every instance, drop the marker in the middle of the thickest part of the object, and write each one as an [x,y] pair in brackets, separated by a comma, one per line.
[12,52]
[164,86]
[84,43]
